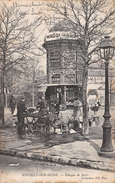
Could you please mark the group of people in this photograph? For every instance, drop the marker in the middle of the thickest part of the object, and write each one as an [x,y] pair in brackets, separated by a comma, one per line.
[54,107]
[21,109]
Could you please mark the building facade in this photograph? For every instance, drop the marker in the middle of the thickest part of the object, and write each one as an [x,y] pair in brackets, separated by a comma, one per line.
[64,65]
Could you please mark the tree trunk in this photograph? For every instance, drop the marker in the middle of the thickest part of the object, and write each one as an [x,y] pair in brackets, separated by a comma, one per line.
[85,128]
[2,99]
[33,95]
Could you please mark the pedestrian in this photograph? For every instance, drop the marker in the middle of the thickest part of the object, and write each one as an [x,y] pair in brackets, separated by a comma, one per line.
[57,108]
[42,107]
[76,108]
[21,108]
[12,104]
[40,104]
[53,101]
[43,118]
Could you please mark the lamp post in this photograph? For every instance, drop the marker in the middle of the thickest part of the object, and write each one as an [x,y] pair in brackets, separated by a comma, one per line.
[106,52]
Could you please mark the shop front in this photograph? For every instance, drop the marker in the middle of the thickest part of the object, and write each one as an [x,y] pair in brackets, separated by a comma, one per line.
[65,94]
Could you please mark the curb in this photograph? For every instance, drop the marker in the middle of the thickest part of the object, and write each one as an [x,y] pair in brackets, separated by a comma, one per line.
[90,164]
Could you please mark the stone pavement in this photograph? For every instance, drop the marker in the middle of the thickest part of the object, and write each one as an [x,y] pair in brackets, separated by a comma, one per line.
[70,149]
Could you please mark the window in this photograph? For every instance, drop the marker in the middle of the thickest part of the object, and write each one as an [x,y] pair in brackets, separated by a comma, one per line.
[55,63]
[54,55]
[55,78]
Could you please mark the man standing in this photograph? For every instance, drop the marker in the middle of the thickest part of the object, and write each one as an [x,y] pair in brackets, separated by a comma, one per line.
[41,104]
[20,111]
[53,101]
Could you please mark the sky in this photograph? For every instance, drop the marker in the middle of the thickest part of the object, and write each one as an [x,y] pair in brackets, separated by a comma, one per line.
[35,8]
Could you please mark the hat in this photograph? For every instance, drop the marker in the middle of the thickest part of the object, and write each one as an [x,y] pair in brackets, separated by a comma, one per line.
[22,98]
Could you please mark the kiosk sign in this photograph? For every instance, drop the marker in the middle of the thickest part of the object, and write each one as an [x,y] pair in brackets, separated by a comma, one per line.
[60,35]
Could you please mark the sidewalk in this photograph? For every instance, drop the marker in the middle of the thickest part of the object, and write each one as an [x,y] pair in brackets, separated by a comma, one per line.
[71,149]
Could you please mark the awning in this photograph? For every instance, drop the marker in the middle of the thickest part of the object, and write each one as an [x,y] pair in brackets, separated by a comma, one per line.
[46,85]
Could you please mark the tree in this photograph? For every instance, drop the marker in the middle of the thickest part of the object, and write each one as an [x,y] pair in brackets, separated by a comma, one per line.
[17,40]
[90,21]
[33,72]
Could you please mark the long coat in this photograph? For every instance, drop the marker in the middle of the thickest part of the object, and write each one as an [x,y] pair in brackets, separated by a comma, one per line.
[21,108]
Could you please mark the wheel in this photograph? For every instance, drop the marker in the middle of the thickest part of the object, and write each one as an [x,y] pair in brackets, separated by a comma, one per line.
[25,128]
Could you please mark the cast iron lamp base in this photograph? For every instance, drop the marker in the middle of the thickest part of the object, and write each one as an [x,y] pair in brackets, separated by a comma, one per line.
[107,154]
[107,147]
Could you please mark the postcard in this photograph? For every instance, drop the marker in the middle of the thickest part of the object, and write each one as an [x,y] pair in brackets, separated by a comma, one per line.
[57,91]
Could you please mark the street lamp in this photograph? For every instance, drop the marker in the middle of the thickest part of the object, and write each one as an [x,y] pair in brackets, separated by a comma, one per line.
[106,52]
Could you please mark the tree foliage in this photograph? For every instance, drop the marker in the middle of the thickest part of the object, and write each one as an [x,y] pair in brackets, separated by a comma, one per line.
[17,40]
[16,36]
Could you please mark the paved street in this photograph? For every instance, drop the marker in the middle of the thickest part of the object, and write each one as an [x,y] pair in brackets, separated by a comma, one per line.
[15,169]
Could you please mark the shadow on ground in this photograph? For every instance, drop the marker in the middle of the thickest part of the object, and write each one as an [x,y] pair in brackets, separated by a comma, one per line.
[95,146]
[9,133]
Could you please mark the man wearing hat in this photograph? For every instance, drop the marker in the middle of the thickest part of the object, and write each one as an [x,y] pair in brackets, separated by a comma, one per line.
[20,111]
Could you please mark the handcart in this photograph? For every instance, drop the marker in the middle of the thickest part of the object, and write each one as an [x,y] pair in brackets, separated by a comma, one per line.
[30,122]
[37,122]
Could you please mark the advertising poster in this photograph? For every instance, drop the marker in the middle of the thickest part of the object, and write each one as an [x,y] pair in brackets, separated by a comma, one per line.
[57,91]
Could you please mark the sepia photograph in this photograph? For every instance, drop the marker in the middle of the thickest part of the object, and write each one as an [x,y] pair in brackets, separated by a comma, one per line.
[57,91]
